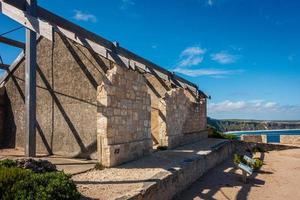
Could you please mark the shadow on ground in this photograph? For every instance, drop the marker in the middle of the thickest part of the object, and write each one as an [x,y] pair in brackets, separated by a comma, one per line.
[224,176]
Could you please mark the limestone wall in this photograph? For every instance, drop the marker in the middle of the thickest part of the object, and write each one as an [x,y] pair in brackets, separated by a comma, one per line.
[67,78]
[184,118]
[89,107]
[157,90]
[177,117]
[254,138]
[290,139]
[123,117]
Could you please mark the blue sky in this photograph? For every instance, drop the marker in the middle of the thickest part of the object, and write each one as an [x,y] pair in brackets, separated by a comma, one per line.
[245,54]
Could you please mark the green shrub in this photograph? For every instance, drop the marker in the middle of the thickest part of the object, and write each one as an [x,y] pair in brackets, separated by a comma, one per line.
[229,136]
[217,134]
[99,166]
[8,163]
[257,164]
[18,183]
[10,176]
[237,159]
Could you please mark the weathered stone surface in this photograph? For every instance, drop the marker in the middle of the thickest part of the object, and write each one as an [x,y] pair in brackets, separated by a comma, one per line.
[176,116]
[290,139]
[124,117]
[67,79]
[254,138]
[90,107]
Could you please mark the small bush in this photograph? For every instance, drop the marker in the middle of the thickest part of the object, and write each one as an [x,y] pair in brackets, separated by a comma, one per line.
[162,148]
[99,166]
[229,136]
[217,134]
[20,183]
[257,164]
[8,163]
[237,159]
[8,177]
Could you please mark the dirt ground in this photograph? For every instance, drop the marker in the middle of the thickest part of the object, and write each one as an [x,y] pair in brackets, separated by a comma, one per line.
[278,179]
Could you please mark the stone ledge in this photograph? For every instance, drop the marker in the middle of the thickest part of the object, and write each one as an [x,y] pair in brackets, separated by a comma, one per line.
[290,139]
[167,184]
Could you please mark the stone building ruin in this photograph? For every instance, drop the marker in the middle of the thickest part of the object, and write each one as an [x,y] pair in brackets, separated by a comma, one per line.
[96,99]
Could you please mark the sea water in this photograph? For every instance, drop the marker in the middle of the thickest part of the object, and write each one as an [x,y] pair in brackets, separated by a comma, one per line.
[272,135]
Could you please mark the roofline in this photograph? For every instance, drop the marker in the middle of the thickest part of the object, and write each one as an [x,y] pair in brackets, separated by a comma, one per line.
[80,32]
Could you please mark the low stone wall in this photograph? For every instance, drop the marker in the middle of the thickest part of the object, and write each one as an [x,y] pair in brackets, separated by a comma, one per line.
[254,138]
[175,180]
[290,139]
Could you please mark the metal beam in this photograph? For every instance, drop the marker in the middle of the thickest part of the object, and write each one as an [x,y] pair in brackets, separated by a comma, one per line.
[4,66]
[30,84]
[25,18]
[46,22]
[12,42]
[12,68]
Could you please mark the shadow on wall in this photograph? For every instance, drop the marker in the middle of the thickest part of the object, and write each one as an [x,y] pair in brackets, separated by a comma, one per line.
[8,139]
[10,125]
[85,150]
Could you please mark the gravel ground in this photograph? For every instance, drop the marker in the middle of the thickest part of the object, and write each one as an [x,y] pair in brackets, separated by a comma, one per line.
[129,178]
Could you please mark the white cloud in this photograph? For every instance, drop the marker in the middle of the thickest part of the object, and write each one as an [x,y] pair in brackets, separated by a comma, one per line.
[193,51]
[224,58]
[270,105]
[252,106]
[194,56]
[191,56]
[190,61]
[205,72]
[81,16]
[125,4]
[226,106]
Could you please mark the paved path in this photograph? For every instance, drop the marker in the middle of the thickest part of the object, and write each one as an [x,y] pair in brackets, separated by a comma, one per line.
[278,179]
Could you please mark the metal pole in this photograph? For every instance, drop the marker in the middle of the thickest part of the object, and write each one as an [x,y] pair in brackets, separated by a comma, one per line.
[30,84]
